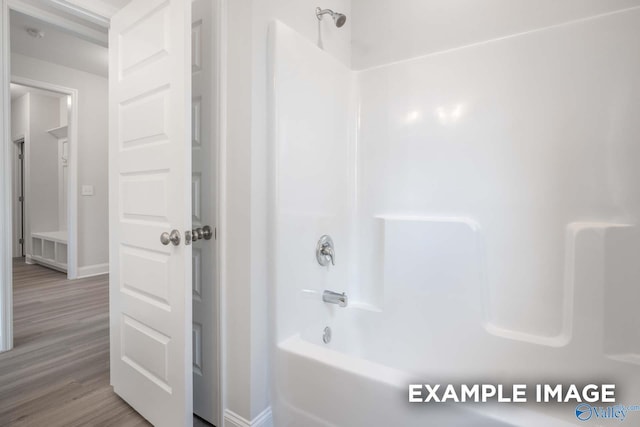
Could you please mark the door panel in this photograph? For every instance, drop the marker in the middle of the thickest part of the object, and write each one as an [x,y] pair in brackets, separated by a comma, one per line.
[203,145]
[150,179]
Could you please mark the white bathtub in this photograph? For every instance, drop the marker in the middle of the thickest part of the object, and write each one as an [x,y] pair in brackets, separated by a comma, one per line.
[339,384]
[361,377]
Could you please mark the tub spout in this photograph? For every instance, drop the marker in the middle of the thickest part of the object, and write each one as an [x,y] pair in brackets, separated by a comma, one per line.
[335,298]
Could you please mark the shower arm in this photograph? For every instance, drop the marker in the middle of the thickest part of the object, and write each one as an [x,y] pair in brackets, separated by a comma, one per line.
[321,12]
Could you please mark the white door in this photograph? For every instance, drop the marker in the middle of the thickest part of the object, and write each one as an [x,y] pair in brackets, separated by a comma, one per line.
[150,194]
[205,339]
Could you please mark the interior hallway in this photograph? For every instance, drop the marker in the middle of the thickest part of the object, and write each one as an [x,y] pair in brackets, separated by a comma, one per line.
[58,372]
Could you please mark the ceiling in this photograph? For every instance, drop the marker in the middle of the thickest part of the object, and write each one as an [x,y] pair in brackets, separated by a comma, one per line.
[58,46]
[385,31]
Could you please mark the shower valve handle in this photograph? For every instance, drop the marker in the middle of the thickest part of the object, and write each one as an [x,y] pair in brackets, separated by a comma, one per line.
[325,251]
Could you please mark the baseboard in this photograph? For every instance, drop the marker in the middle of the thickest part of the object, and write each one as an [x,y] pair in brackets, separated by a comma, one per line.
[28,260]
[264,419]
[92,270]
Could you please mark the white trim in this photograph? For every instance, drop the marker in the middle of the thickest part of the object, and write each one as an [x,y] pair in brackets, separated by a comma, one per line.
[222,206]
[6,224]
[62,23]
[48,263]
[83,12]
[72,191]
[92,270]
[101,9]
[264,419]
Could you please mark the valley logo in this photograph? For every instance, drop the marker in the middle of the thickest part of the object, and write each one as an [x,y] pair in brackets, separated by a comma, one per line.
[586,412]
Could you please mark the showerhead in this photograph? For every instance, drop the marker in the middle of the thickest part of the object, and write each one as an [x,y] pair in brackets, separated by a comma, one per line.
[338,18]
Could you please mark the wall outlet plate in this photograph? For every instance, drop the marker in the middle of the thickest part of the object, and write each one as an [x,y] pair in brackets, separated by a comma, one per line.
[87,190]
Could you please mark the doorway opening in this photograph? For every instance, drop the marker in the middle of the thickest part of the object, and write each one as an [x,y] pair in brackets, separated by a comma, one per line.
[44,220]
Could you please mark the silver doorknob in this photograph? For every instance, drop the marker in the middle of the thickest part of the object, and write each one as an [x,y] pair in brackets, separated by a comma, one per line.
[197,232]
[173,237]
[205,233]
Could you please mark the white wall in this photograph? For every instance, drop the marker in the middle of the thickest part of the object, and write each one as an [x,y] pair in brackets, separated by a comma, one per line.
[385,31]
[247,243]
[42,153]
[92,150]
[312,175]
[19,116]
[64,111]
[312,193]
[524,135]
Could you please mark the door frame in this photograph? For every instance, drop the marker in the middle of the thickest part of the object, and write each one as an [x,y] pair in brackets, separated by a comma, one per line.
[18,210]
[6,224]
[221,194]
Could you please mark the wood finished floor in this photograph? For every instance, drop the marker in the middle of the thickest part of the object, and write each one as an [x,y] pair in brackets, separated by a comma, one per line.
[58,372]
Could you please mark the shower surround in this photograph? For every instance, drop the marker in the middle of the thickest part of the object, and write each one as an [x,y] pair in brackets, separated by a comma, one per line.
[483,203]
